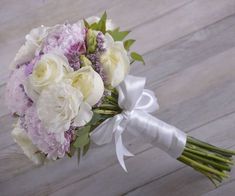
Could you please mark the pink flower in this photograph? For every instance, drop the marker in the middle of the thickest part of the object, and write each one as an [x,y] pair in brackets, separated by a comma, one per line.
[70,39]
[16,98]
[66,37]
[53,145]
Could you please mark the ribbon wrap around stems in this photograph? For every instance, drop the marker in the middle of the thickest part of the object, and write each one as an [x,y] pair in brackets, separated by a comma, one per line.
[137,103]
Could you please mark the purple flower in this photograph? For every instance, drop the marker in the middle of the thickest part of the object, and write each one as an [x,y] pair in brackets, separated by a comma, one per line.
[100,42]
[53,145]
[16,98]
[95,60]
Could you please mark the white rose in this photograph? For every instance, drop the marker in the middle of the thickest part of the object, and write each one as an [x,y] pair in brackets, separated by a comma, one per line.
[89,83]
[31,151]
[109,24]
[115,61]
[49,69]
[60,104]
[33,43]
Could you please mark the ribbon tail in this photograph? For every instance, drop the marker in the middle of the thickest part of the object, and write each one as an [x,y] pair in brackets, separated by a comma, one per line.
[127,152]
[103,134]
[121,150]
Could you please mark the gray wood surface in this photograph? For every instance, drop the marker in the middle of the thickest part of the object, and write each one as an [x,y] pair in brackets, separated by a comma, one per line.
[189,49]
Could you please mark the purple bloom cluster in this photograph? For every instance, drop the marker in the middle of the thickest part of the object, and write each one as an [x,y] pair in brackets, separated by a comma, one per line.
[70,40]
[100,42]
[95,60]
[49,143]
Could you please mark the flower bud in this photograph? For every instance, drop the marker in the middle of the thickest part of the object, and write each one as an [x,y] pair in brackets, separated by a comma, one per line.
[91,41]
[85,61]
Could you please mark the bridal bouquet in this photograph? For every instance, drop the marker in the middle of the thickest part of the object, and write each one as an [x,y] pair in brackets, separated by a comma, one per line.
[69,85]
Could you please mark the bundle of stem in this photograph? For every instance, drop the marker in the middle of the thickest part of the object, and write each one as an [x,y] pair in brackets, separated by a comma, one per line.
[213,162]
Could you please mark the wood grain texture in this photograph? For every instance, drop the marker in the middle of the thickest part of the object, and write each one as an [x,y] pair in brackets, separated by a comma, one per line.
[189,48]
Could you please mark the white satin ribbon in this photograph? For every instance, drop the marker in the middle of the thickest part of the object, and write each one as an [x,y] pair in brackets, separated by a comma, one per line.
[137,103]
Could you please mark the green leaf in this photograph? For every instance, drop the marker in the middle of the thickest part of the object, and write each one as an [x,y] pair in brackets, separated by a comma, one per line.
[118,35]
[128,43]
[82,137]
[86,148]
[137,57]
[95,119]
[102,23]
[86,23]
[94,26]
[71,151]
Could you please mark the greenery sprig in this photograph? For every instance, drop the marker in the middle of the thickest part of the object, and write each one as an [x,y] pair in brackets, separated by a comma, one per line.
[117,35]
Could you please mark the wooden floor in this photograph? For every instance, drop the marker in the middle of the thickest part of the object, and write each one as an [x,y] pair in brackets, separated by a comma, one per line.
[189,49]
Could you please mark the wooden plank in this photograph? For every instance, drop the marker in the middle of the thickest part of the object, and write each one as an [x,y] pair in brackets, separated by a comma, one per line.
[49,177]
[164,114]
[181,22]
[13,161]
[142,12]
[192,114]
[227,189]
[6,123]
[187,51]
[183,181]
[3,108]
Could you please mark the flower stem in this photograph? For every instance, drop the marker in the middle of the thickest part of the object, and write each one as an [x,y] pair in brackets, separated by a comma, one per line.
[106,112]
[211,161]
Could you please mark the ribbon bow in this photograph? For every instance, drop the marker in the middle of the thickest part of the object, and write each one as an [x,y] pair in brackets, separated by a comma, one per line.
[132,97]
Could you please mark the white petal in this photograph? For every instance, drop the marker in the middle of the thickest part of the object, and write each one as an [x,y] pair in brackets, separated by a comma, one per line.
[97,91]
[84,115]
[26,53]
[31,151]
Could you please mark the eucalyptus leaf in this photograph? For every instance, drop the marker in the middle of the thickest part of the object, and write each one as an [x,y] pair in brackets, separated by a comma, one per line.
[137,57]
[118,35]
[86,23]
[86,148]
[128,43]
[94,26]
[71,151]
[102,23]
[96,118]
[82,137]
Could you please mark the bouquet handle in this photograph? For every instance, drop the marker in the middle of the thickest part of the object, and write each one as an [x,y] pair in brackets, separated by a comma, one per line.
[136,104]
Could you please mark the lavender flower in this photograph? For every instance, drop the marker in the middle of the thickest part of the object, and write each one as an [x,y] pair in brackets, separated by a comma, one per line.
[100,42]
[95,60]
